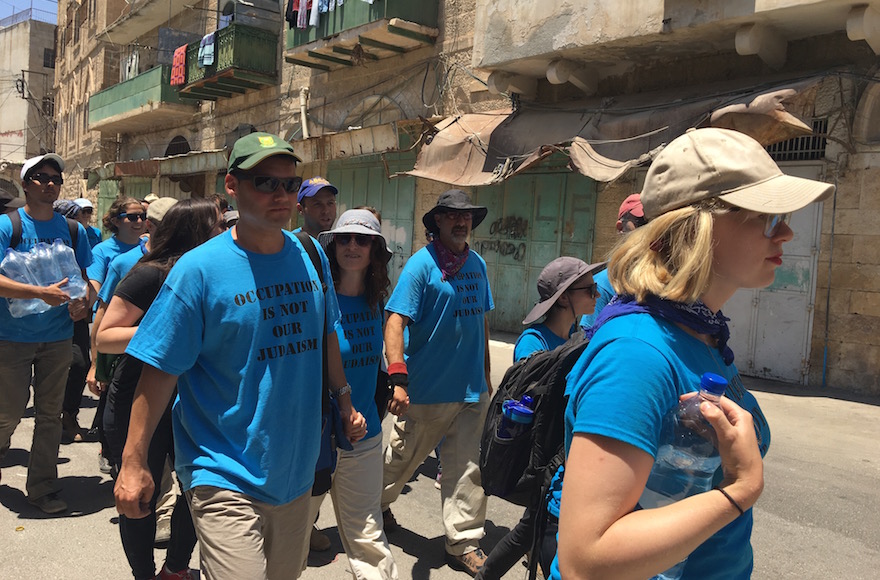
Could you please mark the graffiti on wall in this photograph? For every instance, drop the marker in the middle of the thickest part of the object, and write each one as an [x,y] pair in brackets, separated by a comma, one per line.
[504,229]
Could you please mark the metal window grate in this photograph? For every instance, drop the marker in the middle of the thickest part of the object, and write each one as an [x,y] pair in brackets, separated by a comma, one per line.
[807,148]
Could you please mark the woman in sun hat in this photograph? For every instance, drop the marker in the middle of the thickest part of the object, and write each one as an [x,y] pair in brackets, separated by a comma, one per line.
[359,257]
[566,292]
[718,208]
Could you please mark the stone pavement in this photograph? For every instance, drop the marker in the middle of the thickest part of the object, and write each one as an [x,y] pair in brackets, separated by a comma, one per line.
[816,519]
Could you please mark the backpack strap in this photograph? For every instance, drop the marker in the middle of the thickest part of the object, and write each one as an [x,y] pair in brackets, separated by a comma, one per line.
[15,240]
[309,245]
[15,218]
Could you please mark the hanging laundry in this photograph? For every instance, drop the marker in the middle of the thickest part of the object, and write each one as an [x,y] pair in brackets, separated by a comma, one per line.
[290,13]
[302,17]
[206,50]
[314,18]
[367,1]
[178,66]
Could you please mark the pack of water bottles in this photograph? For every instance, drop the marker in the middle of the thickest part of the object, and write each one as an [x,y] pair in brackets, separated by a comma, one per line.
[44,265]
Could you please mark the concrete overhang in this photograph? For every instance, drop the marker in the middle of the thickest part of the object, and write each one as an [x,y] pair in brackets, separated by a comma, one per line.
[524,40]
[142,17]
[146,117]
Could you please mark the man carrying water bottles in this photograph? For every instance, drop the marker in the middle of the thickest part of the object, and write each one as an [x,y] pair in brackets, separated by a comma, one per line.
[38,341]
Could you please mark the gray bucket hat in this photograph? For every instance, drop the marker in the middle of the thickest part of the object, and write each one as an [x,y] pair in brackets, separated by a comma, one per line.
[454,200]
[555,279]
[355,221]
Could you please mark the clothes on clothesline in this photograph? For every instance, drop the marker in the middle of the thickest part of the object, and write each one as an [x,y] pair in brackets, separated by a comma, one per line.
[206,50]
[178,66]
[304,13]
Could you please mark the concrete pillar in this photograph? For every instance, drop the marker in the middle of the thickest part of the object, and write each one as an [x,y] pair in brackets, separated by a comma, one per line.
[863,23]
[566,71]
[504,82]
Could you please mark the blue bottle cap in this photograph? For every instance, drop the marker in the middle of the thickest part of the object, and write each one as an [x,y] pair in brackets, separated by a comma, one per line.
[528,401]
[520,413]
[715,384]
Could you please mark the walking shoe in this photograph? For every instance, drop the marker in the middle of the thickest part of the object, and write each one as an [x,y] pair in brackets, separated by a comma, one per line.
[389,524]
[318,541]
[470,562]
[166,574]
[104,464]
[49,503]
[71,432]
[438,478]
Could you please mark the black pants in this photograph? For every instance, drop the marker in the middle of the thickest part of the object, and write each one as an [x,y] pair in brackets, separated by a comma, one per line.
[138,535]
[548,544]
[511,548]
[79,368]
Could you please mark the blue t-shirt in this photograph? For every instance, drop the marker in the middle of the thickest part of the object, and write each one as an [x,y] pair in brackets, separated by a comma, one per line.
[54,324]
[446,342]
[607,398]
[606,293]
[243,333]
[94,235]
[119,267]
[535,338]
[103,254]
[360,340]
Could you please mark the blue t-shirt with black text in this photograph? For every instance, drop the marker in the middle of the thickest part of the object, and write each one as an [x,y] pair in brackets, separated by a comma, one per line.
[446,340]
[54,324]
[360,341]
[243,332]
[607,398]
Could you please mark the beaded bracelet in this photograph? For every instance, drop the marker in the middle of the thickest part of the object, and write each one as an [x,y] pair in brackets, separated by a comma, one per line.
[731,500]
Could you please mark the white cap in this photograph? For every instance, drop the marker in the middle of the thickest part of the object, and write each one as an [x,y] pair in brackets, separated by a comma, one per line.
[34,161]
[83,203]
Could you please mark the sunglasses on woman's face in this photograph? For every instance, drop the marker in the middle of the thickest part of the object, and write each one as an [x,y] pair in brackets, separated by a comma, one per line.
[363,240]
[133,217]
[773,221]
[268,184]
[592,289]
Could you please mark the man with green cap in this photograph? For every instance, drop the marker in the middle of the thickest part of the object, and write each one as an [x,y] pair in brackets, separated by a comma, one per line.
[238,328]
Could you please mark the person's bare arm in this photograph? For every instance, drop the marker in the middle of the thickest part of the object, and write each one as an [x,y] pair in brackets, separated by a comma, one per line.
[488,357]
[394,328]
[134,484]
[94,385]
[355,424]
[52,295]
[600,536]
[117,326]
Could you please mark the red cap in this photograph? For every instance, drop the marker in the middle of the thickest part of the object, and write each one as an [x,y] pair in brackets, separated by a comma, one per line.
[633,205]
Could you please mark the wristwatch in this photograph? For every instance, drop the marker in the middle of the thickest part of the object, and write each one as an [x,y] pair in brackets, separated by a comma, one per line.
[341,391]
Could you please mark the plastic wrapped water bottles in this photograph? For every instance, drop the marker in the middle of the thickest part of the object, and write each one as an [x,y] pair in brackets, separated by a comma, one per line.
[687,457]
[44,265]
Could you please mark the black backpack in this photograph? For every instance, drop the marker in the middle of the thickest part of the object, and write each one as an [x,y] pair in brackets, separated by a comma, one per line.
[519,470]
[15,218]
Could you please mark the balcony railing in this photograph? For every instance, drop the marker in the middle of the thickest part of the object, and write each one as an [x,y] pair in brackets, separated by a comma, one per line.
[145,100]
[244,60]
[358,32]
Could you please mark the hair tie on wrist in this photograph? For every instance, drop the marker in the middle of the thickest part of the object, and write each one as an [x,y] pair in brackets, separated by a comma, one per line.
[731,500]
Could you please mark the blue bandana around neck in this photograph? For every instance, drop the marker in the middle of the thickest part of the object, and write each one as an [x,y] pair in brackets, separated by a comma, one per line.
[695,316]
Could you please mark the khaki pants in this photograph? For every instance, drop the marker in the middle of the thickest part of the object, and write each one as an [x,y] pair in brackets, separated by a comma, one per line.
[415,435]
[50,362]
[356,491]
[241,537]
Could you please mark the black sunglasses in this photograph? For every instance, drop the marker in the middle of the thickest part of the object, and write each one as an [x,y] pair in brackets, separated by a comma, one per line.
[593,289]
[363,240]
[46,178]
[133,217]
[268,184]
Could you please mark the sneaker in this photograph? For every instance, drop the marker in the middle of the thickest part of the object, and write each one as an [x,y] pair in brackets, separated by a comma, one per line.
[438,478]
[49,503]
[318,542]
[71,432]
[166,574]
[389,524]
[470,562]
[104,464]
[163,533]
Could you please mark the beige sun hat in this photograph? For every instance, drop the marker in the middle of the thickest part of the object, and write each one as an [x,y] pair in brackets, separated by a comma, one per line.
[729,165]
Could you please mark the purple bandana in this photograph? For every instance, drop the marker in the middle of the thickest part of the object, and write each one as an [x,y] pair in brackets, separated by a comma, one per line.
[450,262]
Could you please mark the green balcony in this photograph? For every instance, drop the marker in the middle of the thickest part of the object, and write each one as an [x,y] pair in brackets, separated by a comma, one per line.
[358,33]
[244,60]
[147,100]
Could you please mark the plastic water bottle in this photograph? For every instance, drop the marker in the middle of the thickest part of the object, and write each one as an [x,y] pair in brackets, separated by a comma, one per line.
[687,457]
[43,265]
[65,259]
[516,417]
[15,266]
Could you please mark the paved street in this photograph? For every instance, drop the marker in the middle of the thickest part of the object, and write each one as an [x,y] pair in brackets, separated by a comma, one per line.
[816,519]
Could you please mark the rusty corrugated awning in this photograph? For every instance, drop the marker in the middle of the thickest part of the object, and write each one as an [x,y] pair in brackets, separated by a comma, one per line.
[606,137]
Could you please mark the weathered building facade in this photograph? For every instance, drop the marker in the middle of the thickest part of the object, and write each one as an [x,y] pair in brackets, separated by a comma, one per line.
[641,72]
[27,63]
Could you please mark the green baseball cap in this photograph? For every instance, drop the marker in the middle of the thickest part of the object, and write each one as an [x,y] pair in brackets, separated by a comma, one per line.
[254,147]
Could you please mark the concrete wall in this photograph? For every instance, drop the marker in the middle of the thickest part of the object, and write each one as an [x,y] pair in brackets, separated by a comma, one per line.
[24,129]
